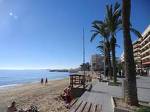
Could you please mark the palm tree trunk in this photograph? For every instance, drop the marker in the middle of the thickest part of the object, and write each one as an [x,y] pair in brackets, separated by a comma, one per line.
[130,89]
[104,58]
[114,63]
[105,64]
[109,61]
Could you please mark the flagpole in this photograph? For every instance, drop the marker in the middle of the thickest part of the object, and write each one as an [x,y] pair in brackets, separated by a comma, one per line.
[83,52]
[84,79]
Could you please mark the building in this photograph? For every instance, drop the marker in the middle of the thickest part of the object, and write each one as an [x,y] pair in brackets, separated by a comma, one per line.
[137,55]
[145,50]
[122,57]
[141,50]
[96,62]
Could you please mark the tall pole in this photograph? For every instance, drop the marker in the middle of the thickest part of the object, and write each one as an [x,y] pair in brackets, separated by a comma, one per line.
[83,58]
[83,49]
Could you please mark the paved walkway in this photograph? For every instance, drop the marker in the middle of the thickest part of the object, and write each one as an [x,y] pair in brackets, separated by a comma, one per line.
[143,85]
[101,93]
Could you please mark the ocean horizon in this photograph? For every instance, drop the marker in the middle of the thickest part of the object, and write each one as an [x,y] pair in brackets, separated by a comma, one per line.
[9,78]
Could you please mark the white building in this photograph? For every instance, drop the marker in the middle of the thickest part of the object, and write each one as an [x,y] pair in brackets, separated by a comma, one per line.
[141,50]
[96,62]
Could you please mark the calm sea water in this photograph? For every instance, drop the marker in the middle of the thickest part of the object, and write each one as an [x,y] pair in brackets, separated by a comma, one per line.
[14,77]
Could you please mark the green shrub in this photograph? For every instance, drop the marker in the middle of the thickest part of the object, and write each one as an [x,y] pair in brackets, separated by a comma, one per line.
[144,109]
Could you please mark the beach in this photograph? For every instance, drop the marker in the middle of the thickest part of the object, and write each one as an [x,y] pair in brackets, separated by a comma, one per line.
[45,97]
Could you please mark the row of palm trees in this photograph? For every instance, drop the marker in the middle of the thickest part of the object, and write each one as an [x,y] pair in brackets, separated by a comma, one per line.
[117,19]
[107,30]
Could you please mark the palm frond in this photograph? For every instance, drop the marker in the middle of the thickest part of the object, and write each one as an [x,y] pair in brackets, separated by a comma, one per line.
[101,49]
[99,27]
[136,32]
[117,45]
[117,5]
[98,22]
[93,36]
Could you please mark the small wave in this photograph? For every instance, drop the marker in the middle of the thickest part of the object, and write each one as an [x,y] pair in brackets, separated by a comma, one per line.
[8,86]
[3,77]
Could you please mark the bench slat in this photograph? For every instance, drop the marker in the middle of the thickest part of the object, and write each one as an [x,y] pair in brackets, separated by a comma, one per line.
[74,101]
[98,108]
[93,108]
[87,107]
[76,106]
[82,106]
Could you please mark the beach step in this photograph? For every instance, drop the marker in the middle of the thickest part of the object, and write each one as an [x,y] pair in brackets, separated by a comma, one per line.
[83,106]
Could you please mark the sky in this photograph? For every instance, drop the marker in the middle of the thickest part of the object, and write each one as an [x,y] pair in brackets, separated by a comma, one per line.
[37,34]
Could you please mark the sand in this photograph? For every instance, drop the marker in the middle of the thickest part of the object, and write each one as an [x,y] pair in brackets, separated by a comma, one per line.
[46,98]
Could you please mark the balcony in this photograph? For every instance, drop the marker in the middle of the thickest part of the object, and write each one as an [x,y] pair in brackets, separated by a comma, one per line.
[147,49]
[146,62]
[146,37]
[146,43]
[145,57]
[136,46]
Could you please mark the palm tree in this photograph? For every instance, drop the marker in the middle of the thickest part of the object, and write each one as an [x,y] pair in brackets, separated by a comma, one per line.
[130,73]
[100,28]
[114,22]
[104,51]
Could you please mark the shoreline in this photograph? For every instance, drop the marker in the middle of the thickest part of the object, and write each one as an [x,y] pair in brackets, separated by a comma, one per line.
[45,97]
[9,86]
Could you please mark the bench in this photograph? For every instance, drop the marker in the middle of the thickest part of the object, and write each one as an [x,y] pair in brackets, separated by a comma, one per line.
[83,106]
[73,102]
[89,87]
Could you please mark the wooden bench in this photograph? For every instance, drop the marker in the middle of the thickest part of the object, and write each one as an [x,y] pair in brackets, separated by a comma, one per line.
[73,102]
[83,106]
[89,87]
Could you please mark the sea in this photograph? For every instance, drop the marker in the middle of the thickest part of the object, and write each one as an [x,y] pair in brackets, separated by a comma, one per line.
[10,78]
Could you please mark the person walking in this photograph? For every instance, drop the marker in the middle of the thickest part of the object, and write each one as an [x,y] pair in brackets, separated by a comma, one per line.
[46,81]
[42,81]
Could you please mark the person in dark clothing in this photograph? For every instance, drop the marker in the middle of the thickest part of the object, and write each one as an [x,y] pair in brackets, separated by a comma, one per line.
[42,81]
[46,81]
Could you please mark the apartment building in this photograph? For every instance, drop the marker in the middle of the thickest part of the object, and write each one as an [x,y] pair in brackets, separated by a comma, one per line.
[137,55]
[145,50]
[141,50]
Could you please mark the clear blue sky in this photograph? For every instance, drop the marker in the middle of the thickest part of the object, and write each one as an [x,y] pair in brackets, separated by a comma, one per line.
[48,33]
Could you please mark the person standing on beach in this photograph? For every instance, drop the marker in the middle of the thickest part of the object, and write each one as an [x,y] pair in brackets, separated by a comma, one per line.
[12,108]
[42,81]
[46,81]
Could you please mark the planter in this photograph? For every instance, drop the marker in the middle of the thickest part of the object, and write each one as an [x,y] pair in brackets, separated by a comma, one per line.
[120,106]
[114,84]
[104,80]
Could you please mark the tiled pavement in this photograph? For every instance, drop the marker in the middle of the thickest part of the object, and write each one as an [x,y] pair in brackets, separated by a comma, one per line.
[101,93]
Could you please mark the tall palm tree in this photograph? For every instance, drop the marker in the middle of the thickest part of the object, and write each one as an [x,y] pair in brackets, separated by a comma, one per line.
[114,23]
[103,50]
[130,73]
[100,28]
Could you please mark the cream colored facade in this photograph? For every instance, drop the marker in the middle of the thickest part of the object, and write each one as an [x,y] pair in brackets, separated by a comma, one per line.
[137,54]
[141,49]
[145,50]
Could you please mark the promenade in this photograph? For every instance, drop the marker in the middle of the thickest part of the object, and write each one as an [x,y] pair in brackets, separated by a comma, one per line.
[101,93]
